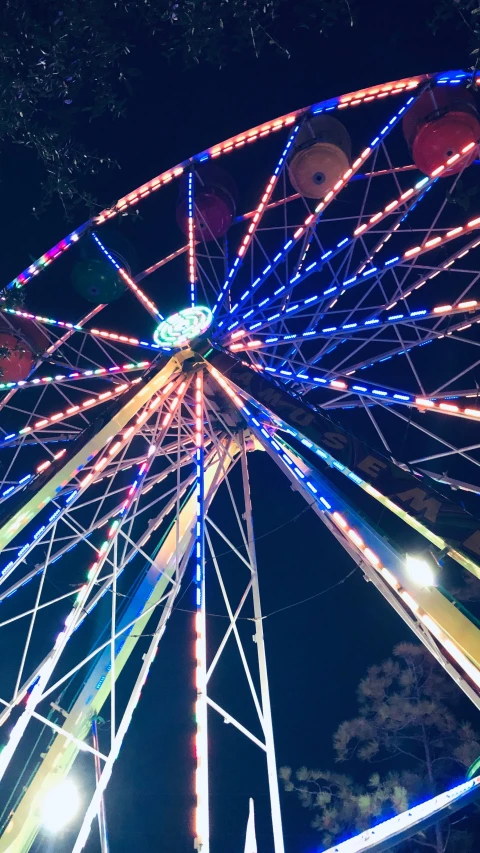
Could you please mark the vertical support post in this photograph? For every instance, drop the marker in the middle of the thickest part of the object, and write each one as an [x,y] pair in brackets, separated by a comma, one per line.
[202,823]
[102,817]
[262,666]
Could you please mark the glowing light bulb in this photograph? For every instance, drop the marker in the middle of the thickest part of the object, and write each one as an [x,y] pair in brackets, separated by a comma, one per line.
[60,804]
[420,571]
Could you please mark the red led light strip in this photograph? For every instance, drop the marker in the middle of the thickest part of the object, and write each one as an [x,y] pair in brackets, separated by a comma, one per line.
[58,417]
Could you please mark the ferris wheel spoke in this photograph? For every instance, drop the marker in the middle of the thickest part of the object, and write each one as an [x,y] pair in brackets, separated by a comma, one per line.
[444,454]
[44,324]
[458,157]
[59,417]
[405,288]
[377,393]
[91,811]
[327,294]
[33,617]
[377,428]
[268,339]
[256,219]
[429,336]
[301,476]
[39,441]
[312,219]
[42,606]
[454,378]
[404,202]
[242,218]
[103,335]
[432,435]
[161,263]
[131,284]
[410,199]
[209,277]
[66,471]
[89,373]
[88,607]
[81,603]
[425,247]
[207,251]
[410,363]
[438,313]
[15,487]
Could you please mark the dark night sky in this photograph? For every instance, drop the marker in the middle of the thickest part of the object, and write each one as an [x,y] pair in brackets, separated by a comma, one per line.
[318,651]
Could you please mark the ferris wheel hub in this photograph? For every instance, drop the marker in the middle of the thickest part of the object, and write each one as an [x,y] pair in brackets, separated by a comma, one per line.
[183,327]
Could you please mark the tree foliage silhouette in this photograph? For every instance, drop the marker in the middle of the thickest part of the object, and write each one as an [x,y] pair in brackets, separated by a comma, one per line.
[406,723]
[64,63]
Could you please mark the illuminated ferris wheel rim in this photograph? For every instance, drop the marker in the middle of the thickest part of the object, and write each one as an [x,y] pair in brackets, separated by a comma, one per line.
[248,343]
[341,381]
[341,102]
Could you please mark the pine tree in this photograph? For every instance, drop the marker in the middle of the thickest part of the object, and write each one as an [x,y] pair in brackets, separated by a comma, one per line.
[406,723]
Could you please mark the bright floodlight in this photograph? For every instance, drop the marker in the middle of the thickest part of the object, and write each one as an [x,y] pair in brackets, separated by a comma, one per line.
[420,571]
[60,804]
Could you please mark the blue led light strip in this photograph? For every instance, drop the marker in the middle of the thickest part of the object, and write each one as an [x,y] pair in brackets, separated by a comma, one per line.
[407,823]
[383,394]
[355,327]
[346,241]
[322,206]
[266,196]
[345,385]
[350,282]
[359,278]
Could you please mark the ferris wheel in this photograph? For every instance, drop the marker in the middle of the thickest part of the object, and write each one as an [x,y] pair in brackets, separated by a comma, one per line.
[314,295]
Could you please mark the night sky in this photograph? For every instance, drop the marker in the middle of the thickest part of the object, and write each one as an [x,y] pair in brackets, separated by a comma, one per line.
[319,650]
